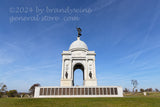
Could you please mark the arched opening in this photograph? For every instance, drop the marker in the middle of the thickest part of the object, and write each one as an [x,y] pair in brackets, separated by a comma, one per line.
[78,73]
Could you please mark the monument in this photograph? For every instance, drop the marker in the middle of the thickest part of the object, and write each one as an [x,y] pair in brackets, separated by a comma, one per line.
[78,57]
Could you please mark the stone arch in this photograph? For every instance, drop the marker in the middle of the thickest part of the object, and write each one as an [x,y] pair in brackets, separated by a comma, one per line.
[78,66]
[78,57]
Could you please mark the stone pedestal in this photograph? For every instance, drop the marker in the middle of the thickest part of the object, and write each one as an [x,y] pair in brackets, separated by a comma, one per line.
[77,91]
[90,82]
[66,83]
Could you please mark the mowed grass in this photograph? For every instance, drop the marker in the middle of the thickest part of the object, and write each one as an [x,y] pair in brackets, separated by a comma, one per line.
[81,102]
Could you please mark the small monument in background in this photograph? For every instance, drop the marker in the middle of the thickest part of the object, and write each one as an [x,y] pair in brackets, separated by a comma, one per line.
[78,57]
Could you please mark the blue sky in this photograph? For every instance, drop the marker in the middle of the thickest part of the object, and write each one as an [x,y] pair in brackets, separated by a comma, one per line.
[125,34]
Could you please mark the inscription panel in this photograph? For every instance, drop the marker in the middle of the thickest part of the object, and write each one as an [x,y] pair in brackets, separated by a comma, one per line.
[49,91]
[79,91]
[108,90]
[45,91]
[94,91]
[101,91]
[68,93]
[112,93]
[116,92]
[52,92]
[41,91]
[71,91]
[82,91]
[86,91]
[56,91]
[104,90]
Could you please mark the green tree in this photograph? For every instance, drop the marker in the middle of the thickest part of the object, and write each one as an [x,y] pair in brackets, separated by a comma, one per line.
[12,93]
[149,90]
[141,90]
[156,90]
[126,90]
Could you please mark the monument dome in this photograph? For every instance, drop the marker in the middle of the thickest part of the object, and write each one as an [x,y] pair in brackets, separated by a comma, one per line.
[78,45]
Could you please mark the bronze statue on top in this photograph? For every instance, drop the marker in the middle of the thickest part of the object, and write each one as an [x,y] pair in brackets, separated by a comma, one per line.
[79,31]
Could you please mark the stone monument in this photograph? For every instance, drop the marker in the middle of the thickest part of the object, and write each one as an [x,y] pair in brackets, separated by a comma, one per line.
[78,57]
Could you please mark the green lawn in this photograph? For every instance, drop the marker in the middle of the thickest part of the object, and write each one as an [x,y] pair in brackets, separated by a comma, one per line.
[81,102]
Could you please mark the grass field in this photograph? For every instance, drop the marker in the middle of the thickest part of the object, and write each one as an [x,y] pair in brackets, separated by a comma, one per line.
[136,101]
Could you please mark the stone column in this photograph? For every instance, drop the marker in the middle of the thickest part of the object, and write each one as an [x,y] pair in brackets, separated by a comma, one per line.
[62,68]
[94,68]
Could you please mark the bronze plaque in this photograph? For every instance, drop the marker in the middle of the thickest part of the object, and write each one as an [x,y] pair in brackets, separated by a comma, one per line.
[49,91]
[104,90]
[56,91]
[94,93]
[112,93]
[71,91]
[82,91]
[45,91]
[115,90]
[108,91]
[97,91]
[41,91]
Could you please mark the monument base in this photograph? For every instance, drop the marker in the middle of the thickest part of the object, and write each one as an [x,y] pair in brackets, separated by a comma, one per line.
[67,82]
[90,83]
[78,91]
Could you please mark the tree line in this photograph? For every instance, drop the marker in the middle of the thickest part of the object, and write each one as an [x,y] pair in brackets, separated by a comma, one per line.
[30,93]
[14,93]
[142,90]
[135,84]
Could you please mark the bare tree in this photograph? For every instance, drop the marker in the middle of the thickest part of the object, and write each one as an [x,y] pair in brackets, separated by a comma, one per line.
[134,83]
[32,88]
